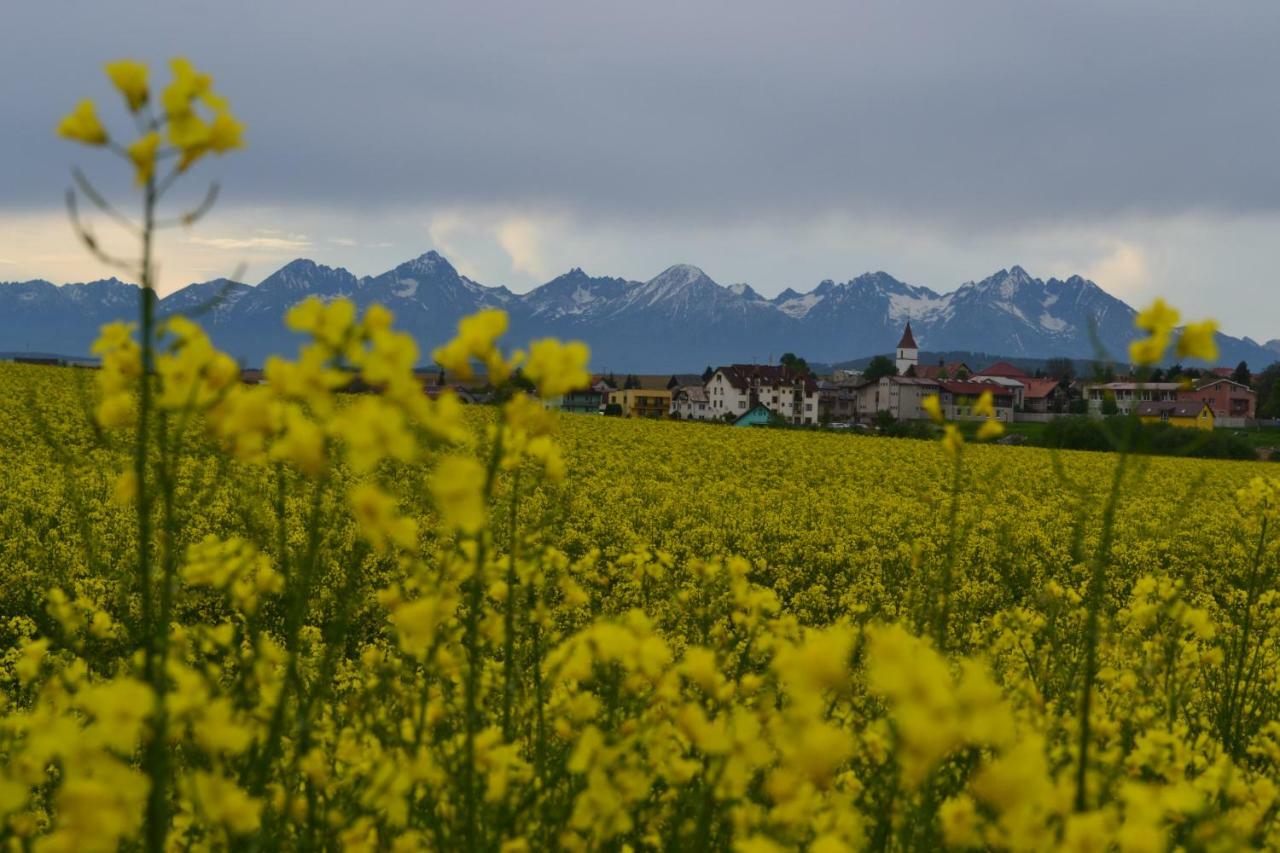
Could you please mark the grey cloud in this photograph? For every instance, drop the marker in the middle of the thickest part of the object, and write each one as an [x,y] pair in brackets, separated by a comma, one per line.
[968,115]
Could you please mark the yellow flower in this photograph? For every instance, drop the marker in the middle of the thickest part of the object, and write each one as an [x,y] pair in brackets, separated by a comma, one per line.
[130,77]
[1198,341]
[125,489]
[225,132]
[187,85]
[990,429]
[380,521]
[933,407]
[985,407]
[952,440]
[143,155]
[477,334]
[457,485]
[82,125]
[556,368]
[1159,319]
[223,803]
[302,443]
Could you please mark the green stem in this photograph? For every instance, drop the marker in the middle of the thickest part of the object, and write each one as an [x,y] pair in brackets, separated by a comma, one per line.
[1097,587]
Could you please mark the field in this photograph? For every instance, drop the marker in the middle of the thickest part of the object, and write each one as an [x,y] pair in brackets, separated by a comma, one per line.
[620,633]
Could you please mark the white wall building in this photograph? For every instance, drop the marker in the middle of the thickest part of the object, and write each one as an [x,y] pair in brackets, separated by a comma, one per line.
[734,389]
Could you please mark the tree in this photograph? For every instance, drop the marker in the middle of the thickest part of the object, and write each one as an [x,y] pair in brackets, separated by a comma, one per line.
[1109,406]
[611,381]
[962,374]
[707,374]
[1267,384]
[1060,368]
[879,367]
[1242,375]
[911,370]
[631,382]
[794,362]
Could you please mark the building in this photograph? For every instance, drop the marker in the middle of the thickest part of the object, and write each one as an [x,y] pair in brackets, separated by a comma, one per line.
[908,353]
[949,370]
[641,402]
[689,403]
[899,396]
[837,401]
[1008,376]
[584,401]
[1045,396]
[958,397]
[1004,369]
[736,388]
[1127,395]
[1226,398]
[1194,414]
[757,415]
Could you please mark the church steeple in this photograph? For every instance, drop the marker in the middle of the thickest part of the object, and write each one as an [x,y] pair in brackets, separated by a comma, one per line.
[908,353]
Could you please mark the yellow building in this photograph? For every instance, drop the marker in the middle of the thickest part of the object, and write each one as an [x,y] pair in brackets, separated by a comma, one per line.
[1193,414]
[642,402]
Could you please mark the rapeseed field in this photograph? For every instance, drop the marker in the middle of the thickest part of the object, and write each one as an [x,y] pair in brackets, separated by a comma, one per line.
[282,616]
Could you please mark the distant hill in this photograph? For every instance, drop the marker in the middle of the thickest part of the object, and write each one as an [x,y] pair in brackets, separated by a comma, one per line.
[677,321]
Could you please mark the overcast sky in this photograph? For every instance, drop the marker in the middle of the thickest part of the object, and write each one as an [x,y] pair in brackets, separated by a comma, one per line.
[773,143]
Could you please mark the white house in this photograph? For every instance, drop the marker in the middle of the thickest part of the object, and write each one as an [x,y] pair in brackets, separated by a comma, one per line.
[690,403]
[736,388]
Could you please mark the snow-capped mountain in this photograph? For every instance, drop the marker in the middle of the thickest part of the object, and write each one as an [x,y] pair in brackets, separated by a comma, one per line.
[680,319]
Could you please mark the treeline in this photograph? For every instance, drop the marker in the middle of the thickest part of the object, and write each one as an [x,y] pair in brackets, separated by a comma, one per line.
[1085,433]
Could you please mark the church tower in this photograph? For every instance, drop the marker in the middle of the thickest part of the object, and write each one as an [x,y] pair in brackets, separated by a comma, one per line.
[908,352]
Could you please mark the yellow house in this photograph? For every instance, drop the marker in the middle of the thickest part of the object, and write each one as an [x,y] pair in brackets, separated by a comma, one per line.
[1194,414]
[642,402]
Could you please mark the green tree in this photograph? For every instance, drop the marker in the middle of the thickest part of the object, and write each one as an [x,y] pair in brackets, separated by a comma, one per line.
[796,363]
[879,367]
[1241,374]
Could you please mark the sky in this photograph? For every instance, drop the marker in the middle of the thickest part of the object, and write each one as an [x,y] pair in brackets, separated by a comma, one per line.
[777,144]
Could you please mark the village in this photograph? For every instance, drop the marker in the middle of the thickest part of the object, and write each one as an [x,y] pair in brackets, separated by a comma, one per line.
[761,394]
[890,390]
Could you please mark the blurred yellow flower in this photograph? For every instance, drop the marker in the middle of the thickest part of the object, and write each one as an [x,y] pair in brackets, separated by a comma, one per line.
[130,77]
[82,125]
[932,407]
[557,368]
[1198,341]
[143,155]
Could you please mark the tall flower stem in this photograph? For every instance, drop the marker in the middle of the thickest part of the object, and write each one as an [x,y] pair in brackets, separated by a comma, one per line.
[1095,592]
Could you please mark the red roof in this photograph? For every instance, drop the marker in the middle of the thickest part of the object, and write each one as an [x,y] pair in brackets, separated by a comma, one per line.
[974,389]
[1038,388]
[1005,369]
[908,340]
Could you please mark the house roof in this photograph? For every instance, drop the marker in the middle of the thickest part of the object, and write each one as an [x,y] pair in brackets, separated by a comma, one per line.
[1209,383]
[908,340]
[909,380]
[1224,372]
[693,393]
[1037,389]
[743,376]
[1005,369]
[1176,409]
[932,371]
[975,388]
[681,380]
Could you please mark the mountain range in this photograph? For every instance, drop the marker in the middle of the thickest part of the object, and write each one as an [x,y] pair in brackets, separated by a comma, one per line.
[680,320]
